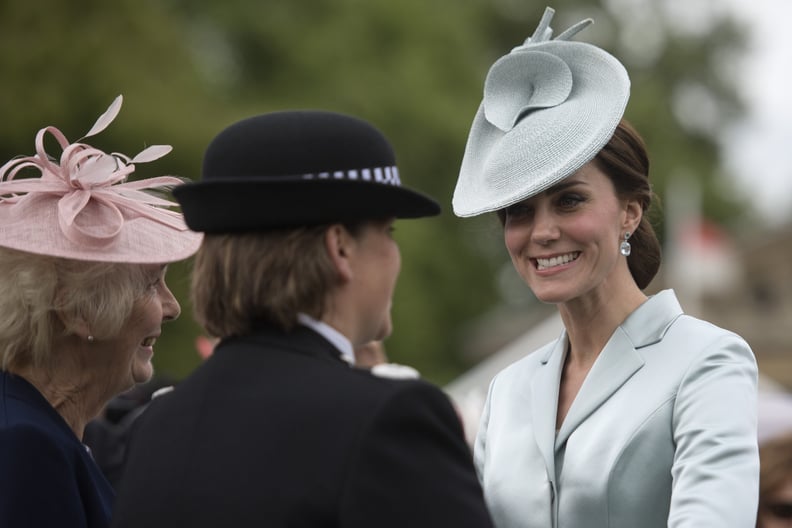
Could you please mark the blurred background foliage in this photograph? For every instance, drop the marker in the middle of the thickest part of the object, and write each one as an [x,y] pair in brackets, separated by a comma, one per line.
[415,68]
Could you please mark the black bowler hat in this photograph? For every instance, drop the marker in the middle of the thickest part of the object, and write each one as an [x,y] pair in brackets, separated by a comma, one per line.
[295,168]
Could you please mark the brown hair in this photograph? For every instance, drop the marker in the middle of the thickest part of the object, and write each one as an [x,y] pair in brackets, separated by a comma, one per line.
[269,276]
[625,161]
[775,467]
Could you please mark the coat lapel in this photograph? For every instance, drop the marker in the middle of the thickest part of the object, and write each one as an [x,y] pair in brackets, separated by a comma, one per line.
[544,401]
[617,362]
[620,358]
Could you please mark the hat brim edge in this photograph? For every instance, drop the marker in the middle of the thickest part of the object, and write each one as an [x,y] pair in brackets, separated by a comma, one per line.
[250,204]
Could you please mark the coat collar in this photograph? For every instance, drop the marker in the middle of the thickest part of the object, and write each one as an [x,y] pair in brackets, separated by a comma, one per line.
[649,323]
[336,338]
[300,339]
[18,388]
[618,361]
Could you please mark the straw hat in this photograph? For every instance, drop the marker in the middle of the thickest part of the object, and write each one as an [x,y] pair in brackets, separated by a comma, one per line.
[82,207]
[296,168]
[549,107]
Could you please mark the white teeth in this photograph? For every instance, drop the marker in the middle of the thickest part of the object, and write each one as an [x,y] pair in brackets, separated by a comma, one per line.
[544,263]
[149,341]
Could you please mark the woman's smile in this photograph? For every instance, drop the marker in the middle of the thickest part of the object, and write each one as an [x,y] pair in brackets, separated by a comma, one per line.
[542,264]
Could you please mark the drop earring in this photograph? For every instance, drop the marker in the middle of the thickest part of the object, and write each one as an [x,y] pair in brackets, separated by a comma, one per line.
[625,248]
[91,339]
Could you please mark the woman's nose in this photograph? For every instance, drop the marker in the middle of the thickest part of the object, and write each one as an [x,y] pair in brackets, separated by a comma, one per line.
[170,306]
[545,227]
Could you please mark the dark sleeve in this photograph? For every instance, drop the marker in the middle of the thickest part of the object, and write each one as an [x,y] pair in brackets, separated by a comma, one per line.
[37,482]
[413,468]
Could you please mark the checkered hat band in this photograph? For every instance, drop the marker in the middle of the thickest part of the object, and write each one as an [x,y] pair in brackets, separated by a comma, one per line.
[387,175]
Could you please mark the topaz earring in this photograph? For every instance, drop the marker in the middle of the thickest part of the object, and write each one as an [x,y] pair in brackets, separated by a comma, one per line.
[625,248]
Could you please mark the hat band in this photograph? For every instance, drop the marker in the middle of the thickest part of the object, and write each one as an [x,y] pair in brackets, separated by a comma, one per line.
[387,175]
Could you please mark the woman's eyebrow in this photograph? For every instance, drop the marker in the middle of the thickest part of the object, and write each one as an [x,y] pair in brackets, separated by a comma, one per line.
[570,182]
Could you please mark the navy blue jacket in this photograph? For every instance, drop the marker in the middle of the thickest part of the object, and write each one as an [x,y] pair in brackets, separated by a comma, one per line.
[47,476]
[276,430]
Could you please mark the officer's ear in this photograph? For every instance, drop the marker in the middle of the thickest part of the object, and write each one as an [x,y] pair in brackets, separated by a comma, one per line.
[340,246]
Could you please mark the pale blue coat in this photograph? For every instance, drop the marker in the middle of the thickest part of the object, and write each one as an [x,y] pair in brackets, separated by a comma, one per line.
[662,432]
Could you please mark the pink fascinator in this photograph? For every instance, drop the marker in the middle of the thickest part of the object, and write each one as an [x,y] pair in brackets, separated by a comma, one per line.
[84,207]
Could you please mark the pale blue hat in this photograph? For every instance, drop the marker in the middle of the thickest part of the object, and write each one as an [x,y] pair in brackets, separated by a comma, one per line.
[549,107]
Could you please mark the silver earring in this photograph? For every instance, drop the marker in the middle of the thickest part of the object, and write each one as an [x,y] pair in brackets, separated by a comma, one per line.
[91,339]
[625,248]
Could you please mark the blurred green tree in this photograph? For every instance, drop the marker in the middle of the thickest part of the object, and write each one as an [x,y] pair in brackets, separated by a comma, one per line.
[187,68]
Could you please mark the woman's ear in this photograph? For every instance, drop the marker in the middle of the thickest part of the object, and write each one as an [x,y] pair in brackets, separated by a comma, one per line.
[633,215]
[72,323]
[338,243]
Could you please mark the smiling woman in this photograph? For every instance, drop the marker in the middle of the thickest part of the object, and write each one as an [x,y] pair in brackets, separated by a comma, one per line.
[99,301]
[637,414]
[83,298]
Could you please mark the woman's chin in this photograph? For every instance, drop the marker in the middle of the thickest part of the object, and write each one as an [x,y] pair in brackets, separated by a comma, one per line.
[142,372]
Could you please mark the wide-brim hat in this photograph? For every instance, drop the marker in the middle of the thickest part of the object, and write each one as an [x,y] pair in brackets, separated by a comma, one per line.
[549,107]
[83,207]
[298,168]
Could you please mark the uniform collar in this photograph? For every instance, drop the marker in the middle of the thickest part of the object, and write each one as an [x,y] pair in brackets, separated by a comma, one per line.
[336,338]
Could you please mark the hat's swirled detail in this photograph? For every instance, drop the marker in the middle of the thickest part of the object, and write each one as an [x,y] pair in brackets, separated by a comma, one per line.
[86,179]
[523,81]
[527,79]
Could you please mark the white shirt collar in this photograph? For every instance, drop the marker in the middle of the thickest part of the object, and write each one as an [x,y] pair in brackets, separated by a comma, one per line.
[336,338]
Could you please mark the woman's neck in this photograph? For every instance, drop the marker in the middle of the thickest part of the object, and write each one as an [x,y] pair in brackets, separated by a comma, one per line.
[72,394]
[590,322]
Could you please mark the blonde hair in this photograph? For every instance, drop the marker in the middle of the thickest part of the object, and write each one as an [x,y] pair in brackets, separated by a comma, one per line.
[243,279]
[41,297]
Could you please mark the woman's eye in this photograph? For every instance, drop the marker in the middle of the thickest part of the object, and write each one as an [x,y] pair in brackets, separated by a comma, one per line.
[154,284]
[570,200]
[517,211]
